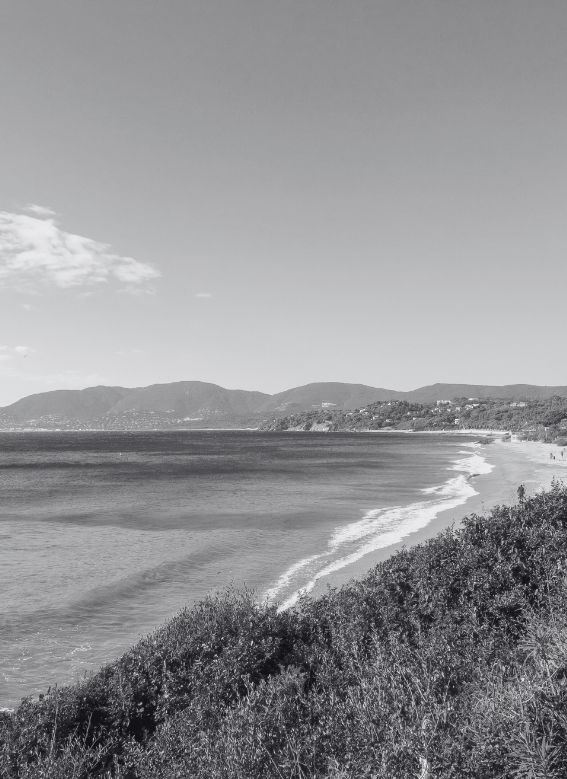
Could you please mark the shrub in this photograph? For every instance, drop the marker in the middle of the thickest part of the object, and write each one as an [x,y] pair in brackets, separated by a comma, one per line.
[447,660]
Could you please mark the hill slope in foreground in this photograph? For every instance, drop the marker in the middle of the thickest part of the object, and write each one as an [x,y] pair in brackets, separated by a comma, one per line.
[201,404]
[447,660]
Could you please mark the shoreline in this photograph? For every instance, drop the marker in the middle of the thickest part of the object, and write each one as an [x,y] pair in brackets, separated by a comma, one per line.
[489,473]
[512,462]
[452,431]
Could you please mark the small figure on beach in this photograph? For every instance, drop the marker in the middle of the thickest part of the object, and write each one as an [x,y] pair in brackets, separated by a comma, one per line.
[521,493]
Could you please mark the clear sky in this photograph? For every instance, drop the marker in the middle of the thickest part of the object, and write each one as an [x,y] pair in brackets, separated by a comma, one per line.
[265,193]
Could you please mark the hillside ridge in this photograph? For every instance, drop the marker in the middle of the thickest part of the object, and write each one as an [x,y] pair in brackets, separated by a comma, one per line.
[204,404]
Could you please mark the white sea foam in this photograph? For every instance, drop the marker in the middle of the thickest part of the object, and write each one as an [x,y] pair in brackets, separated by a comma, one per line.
[473,464]
[82,648]
[288,575]
[380,528]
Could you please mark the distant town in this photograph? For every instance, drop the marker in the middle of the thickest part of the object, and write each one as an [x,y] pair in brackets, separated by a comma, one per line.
[544,420]
[533,412]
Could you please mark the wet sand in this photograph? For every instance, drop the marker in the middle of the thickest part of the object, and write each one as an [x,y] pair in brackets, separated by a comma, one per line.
[515,462]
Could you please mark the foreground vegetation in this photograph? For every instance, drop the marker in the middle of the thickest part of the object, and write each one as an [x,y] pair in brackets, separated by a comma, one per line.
[544,420]
[449,660]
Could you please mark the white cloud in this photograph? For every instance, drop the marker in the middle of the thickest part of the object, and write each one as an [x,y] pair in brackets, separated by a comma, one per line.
[9,352]
[203,294]
[42,212]
[35,253]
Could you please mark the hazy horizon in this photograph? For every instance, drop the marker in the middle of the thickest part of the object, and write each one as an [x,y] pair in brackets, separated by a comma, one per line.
[267,194]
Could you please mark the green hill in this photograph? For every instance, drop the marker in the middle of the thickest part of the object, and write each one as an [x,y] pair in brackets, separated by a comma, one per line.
[435,392]
[202,404]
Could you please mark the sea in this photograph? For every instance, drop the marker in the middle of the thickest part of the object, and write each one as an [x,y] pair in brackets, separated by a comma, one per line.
[104,536]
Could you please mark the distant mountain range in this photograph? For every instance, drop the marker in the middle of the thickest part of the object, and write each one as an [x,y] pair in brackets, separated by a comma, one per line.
[200,404]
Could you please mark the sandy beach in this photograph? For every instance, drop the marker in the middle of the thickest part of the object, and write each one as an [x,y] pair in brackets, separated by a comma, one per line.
[513,462]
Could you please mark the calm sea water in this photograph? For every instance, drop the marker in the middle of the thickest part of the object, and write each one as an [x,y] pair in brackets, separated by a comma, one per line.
[104,536]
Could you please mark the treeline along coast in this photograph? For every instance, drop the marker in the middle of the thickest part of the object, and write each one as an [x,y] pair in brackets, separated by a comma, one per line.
[543,420]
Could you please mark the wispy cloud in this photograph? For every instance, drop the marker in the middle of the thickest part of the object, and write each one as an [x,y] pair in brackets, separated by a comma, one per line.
[203,294]
[131,352]
[42,212]
[22,351]
[35,252]
[10,352]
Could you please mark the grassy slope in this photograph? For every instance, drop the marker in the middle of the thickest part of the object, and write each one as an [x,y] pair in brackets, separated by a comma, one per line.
[447,660]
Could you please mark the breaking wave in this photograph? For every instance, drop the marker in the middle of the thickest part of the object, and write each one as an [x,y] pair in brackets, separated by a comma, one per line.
[380,528]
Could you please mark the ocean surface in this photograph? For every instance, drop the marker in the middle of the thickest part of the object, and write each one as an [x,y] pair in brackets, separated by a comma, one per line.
[104,536]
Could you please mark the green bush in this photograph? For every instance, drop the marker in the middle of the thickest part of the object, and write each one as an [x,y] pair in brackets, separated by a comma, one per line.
[448,660]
